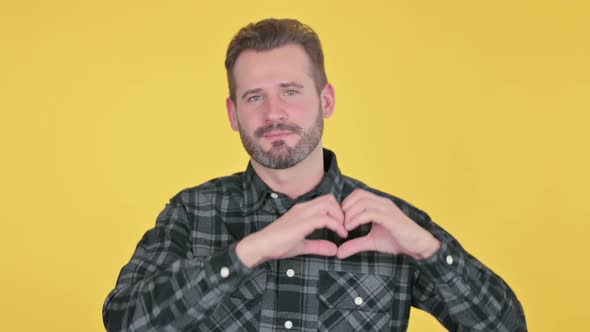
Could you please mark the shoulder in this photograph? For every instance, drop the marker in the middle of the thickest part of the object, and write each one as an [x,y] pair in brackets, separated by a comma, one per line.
[416,214]
[210,191]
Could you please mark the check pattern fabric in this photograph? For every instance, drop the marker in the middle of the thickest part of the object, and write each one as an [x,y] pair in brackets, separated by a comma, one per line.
[185,274]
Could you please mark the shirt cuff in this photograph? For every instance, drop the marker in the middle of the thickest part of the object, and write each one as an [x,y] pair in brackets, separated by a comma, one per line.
[223,272]
[444,265]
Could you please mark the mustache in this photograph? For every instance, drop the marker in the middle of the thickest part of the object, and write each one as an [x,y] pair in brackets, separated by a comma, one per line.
[278,126]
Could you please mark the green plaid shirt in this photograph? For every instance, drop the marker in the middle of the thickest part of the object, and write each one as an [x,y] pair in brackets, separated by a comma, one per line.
[185,274]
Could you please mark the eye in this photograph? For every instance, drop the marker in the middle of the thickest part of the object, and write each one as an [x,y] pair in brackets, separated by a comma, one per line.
[291,92]
[254,98]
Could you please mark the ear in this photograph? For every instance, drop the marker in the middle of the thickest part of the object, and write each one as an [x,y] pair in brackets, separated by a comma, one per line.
[232,114]
[328,100]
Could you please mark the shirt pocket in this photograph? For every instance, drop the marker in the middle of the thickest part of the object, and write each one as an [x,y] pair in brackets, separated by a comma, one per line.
[358,302]
[241,309]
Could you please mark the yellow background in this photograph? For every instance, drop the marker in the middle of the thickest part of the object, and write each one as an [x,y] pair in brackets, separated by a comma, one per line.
[475,111]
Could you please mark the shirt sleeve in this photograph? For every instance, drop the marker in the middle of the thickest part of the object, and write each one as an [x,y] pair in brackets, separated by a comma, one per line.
[164,287]
[462,293]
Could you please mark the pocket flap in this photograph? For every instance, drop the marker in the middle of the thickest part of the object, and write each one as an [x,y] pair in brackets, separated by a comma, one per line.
[351,291]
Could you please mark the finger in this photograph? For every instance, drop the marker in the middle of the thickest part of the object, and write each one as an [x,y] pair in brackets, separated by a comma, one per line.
[323,221]
[359,206]
[365,217]
[352,198]
[328,204]
[332,224]
[373,204]
[319,247]
[335,210]
[355,246]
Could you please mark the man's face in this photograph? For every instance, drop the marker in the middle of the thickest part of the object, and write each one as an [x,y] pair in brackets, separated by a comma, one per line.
[278,111]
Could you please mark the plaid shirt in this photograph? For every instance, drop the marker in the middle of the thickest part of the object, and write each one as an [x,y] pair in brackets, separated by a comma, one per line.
[185,274]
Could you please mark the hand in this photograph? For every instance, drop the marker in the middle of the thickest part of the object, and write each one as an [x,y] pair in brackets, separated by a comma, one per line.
[286,236]
[392,231]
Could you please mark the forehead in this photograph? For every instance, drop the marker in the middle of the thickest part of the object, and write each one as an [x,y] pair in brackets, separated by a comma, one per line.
[259,69]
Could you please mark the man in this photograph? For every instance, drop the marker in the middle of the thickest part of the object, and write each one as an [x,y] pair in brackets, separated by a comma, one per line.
[291,243]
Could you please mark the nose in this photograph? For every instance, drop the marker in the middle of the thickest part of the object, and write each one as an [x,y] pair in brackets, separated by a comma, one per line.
[275,110]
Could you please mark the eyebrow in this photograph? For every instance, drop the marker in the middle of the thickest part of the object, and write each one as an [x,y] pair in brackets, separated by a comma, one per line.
[282,85]
[291,84]
[247,92]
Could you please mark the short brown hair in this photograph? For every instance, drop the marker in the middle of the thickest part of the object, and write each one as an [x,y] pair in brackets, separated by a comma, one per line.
[272,33]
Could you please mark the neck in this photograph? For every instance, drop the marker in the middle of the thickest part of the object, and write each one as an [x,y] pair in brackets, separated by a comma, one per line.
[296,180]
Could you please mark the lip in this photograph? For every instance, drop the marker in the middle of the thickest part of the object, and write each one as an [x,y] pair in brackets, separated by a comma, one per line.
[277,134]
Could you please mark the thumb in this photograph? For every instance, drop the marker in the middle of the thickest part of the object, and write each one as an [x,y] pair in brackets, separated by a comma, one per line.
[319,247]
[355,246]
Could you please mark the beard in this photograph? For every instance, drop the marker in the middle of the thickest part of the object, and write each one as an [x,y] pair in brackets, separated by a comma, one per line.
[280,155]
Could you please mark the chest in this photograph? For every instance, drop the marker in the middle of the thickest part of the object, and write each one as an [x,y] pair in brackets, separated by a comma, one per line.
[368,291]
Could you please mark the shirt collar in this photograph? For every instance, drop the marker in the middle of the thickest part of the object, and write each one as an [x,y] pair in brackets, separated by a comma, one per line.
[255,191]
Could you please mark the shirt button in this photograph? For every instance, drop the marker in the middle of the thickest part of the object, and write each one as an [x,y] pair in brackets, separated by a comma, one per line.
[358,300]
[449,259]
[273,195]
[224,272]
[290,273]
[288,324]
